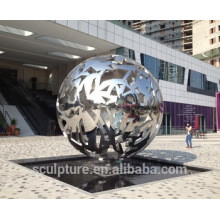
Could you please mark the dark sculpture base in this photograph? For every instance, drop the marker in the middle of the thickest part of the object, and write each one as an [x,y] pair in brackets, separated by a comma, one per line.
[93,175]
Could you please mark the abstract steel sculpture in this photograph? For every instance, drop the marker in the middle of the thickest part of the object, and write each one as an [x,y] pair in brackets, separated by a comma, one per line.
[109,107]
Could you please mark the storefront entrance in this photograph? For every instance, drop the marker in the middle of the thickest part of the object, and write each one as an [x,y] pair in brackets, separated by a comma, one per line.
[166,124]
[202,123]
[218,111]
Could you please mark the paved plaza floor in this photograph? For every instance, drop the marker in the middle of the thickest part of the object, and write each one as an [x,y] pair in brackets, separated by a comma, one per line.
[19,182]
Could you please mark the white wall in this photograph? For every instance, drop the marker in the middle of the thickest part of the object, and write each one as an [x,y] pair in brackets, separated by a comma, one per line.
[173,92]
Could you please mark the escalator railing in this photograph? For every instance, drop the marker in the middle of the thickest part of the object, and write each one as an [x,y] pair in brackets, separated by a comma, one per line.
[20,96]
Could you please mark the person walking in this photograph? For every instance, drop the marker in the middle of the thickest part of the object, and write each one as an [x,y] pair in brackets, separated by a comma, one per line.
[189,135]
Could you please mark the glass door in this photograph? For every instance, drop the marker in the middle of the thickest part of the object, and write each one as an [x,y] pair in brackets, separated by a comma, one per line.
[202,123]
[166,124]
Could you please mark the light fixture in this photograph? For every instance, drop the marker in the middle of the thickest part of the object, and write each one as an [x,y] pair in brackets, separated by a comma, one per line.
[35,66]
[66,43]
[16,31]
[1,52]
[51,75]
[71,56]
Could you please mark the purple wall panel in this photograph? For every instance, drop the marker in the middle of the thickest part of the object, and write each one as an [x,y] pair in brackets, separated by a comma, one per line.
[218,110]
[183,113]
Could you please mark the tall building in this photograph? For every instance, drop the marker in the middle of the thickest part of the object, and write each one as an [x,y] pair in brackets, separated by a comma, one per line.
[175,33]
[40,54]
[206,41]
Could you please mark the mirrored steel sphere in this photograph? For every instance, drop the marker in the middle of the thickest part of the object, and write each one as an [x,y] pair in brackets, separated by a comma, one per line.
[110,107]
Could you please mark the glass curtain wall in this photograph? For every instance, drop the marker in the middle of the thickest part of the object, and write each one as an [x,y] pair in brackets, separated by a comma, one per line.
[125,52]
[199,81]
[163,70]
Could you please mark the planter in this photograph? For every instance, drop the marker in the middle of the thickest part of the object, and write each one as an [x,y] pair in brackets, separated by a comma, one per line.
[9,131]
[17,131]
[13,124]
[12,129]
[3,134]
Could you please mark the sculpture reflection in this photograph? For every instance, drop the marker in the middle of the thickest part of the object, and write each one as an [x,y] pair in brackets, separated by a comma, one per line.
[110,107]
[98,185]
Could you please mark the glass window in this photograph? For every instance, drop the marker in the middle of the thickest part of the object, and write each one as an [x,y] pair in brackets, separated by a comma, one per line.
[212,30]
[151,64]
[163,70]
[125,52]
[195,79]
[211,86]
[199,81]
[212,41]
[212,62]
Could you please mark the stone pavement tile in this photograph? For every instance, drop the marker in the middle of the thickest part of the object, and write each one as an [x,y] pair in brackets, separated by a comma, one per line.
[19,182]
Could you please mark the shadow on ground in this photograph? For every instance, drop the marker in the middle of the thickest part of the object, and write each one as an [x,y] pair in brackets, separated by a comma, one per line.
[170,155]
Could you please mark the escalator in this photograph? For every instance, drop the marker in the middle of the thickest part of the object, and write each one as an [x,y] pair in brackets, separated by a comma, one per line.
[40,119]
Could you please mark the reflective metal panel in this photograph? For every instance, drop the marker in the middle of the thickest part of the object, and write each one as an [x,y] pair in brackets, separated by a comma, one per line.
[109,107]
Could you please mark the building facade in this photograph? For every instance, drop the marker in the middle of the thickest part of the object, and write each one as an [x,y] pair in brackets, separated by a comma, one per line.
[188,85]
[175,33]
[206,41]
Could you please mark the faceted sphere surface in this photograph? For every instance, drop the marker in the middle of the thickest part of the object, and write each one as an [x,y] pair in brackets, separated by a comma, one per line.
[109,107]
